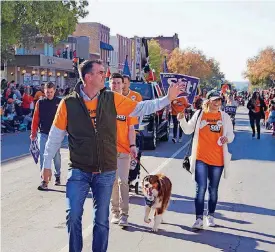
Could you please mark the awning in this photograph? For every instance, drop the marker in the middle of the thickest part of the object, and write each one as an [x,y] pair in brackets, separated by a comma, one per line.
[106,46]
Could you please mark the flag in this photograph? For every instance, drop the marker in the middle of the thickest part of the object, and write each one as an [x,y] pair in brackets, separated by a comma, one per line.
[34,150]
[126,69]
[108,73]
[165,67]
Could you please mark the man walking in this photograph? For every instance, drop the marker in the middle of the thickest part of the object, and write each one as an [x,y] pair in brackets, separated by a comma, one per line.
[126,146]
[43,117]
[89,115]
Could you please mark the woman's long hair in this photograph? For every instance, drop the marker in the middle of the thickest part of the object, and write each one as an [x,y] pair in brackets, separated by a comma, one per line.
[254,96]
[205,105]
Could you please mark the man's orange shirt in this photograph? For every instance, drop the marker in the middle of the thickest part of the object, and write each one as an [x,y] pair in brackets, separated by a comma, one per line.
[124,107]
[210,131]
[134,96]
[37,96]
[179,105]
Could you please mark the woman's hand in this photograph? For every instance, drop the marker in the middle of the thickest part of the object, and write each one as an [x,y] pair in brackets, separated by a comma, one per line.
[180,116]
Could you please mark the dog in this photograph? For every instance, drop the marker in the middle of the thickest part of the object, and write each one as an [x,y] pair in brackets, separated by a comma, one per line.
[157,192]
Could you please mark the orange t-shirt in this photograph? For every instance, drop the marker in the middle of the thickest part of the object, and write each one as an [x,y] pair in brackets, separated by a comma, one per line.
[134,96]
[179,105]
[210,131]
[124,107]
[257,106]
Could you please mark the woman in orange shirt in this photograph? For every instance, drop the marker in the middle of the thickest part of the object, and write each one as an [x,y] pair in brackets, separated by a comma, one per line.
[257,108]
[210,158]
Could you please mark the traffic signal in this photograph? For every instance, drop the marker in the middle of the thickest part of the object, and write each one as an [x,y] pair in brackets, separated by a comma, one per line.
[75,64]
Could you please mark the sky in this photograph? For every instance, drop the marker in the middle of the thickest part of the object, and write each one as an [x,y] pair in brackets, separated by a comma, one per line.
[229,31]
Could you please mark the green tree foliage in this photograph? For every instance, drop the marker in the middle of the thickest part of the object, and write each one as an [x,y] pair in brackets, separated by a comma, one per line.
[156,57]
[22,21]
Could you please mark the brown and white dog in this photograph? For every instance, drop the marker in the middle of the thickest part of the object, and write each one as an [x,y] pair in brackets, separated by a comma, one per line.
[157,192]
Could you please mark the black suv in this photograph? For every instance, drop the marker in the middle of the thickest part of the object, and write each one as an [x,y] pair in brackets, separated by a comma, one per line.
[154,126]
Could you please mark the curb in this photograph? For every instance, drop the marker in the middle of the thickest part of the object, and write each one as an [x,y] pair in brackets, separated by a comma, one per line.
[14,158]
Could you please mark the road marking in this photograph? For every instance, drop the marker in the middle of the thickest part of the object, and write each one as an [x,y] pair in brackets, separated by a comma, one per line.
[87,231]
[167,161]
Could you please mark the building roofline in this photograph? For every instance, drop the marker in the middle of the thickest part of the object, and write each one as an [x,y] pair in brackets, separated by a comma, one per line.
[99,24]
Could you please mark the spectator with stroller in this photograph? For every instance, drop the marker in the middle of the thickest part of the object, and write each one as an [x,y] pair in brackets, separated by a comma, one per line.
[210,158]
[257,108]
[44,113]
[126,147]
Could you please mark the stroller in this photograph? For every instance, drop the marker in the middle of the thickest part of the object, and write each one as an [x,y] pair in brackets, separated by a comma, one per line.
[134,173]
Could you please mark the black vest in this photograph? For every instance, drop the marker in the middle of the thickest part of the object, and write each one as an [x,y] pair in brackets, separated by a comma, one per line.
[92,149]
[47,110]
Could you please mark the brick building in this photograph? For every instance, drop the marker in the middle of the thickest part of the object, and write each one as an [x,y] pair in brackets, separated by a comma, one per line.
[99,35]
[122,47]
[167,43]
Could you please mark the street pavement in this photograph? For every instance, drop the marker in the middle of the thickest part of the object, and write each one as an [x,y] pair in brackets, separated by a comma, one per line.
[34,221]
[14,145]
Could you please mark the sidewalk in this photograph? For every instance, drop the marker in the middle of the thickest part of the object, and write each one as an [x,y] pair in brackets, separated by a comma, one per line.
[14,145]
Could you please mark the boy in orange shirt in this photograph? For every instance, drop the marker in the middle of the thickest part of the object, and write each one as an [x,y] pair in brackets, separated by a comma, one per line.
[126,147]
[178,105]
[126,91]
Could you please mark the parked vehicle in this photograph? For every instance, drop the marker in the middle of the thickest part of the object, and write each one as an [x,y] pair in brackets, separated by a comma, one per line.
[155,126]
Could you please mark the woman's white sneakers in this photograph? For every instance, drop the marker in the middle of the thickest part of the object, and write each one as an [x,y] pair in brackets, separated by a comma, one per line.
[210,222]
[198,224]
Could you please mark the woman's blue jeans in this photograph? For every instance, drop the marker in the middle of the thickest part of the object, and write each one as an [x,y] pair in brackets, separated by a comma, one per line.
[204,172]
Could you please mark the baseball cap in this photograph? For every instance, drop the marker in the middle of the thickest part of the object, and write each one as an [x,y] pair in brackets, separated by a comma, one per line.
[213,95]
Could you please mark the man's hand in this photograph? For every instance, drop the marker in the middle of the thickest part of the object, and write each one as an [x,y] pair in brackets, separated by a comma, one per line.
[32,137]
[180,115]
[224,140]
[174,90]
[133,151]
[46,175]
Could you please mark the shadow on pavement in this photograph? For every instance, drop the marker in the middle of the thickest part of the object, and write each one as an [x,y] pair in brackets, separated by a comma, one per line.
[246,147]
[225,206]
[213,238]
[54,190]
[187,207]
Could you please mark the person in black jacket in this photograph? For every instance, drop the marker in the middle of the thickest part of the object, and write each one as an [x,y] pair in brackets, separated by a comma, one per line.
[44,113]
[257,107]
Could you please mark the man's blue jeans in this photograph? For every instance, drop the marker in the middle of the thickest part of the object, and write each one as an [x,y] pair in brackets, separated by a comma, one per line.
[42,140]
[203,172]
[77,189]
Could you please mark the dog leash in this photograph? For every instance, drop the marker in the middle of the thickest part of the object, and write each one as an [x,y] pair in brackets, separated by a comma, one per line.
[134,158]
